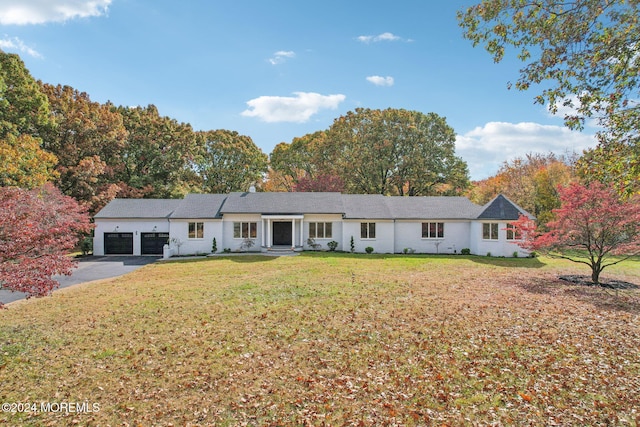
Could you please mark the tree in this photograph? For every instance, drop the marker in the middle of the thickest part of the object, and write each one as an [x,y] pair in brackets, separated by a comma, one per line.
[586,49]
[320,183]
[592,226]
[395,151]
[158,155]
[23,107]
[275,181]
[530,181]
[304,158]
[24,115]
[616,164]
[23,163]
[390,151]
[585,54]
[228,161]
[37,228]
[87,140]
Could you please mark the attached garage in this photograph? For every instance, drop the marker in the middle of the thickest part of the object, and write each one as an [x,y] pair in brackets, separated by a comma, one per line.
[153,243]
[118,243]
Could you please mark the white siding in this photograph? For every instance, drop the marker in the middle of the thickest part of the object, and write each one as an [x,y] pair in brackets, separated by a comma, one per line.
[227,231]
[180,230]
[135,226]
[500,247]
[383,242]
[336,224]
[409,235]
[391,236]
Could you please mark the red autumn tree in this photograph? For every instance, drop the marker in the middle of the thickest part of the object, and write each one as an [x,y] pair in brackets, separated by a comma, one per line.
[593,226]
[323,182]
[37,229]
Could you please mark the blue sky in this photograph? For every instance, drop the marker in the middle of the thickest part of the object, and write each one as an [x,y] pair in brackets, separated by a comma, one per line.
[275,70]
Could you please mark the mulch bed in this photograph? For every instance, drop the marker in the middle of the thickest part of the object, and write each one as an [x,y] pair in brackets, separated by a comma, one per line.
[586,280]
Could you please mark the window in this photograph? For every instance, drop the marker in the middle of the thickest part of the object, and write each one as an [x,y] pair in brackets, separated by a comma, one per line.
[490,231]
[245,230]
[196,230]
[433,230]
[513,233]
[367,230]
[320,230]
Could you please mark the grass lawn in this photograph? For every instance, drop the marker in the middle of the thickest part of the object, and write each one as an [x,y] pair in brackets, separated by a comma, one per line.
[328,339]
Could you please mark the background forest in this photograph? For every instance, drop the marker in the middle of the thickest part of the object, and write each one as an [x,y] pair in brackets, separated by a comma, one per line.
[95,152]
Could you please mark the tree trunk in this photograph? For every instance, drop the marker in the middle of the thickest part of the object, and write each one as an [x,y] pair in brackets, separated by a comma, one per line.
[595,275]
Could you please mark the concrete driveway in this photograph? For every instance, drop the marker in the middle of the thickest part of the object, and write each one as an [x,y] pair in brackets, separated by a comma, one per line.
[89,269]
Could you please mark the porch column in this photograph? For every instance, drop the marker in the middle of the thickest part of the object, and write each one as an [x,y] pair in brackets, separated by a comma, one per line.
[302,233]
[293,233]
[268,233]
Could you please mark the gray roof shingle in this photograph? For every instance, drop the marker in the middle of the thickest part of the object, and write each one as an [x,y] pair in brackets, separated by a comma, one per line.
[283,203]
[352,206]
[369,206]
[139,208]
[433,207]
[200,206]
[502,208]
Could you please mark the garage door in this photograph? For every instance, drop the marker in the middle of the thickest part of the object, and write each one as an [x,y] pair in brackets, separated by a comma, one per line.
[153,243]
[118,243]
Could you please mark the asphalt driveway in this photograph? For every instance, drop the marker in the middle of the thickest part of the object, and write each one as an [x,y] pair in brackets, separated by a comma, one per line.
[89,269]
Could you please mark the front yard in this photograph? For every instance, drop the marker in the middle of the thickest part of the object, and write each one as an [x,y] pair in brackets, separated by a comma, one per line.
[327,339]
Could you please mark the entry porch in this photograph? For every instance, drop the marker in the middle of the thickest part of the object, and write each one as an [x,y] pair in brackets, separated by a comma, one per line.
[282,232]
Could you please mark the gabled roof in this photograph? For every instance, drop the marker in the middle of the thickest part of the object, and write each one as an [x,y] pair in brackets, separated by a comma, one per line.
[351,206]
[369,206]
[433,207]
[196,206]
[359,206]
[139,208]
[503,209]
[283,203]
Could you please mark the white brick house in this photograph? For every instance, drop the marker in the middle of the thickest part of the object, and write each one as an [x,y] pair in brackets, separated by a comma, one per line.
[289,220]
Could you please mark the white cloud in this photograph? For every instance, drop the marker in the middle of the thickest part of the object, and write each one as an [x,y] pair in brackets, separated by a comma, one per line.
[384,37]
[298,109]
[569,107]
[381,81]
[15,44]
[24,12]
[280,56]
[486,148]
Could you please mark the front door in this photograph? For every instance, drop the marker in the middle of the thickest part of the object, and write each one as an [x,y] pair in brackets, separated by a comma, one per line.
[282,233]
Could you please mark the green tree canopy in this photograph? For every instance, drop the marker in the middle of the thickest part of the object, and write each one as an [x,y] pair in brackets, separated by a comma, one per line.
[23,107]
[303,158]
[228,161]
[615,163]
[395,151]
[24,116]
[585,55]
[158,153]
[586,49]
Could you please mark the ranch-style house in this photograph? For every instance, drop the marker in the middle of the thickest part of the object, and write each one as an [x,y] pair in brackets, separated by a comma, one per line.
[263,222]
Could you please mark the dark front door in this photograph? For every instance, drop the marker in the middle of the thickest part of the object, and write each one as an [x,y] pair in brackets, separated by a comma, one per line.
[282,234]
[118,243]
[153,243]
